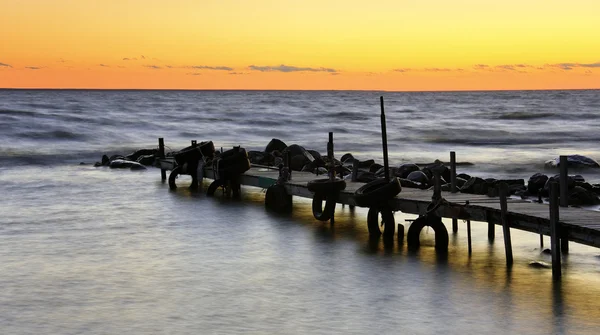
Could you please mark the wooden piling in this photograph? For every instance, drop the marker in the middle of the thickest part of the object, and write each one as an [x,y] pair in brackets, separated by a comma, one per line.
[542,241]
[161,155]
[564,188]
[400,233]
[331,168]
[453,187]
[491,231]
[555,231]
[469,236]
[505,224]
[386,165]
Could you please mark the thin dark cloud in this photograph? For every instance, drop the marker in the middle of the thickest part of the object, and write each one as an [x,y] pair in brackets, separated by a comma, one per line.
[402,70]
[143,57]
[569,66]
[5,65]
[438,69]
[128,59]
[237,73]
[206,67]
[155,67]
[194,74]
[103,65]
[33,67]
[287,69]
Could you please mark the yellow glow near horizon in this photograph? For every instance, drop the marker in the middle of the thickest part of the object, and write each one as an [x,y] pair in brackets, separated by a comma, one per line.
[436,44]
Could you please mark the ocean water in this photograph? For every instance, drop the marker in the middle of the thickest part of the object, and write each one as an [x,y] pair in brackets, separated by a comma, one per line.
[87,250]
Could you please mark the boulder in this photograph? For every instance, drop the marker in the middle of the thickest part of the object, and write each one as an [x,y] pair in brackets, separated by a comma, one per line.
[275,144]
[574,161]
[404,170]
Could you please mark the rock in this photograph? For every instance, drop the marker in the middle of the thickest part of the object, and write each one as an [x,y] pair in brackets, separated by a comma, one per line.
[365,177]
[374,167]
[275,144]
[579,196]
[296,150]
[475,185]
[367,164]
[437,167]
[298,162]
[404,170]
[146,159]
[460,182]
[347,158]
[411,184]
[317,156]
[463,176]
[419,177]
[574,161]
[536,182]
[125,164]
[142,152]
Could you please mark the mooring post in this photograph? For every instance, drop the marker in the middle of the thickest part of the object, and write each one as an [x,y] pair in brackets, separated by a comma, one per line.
[161,155]
[194,143]
[453,187]
[542,241]
[469,236]
[555,231]
[331,167]
[563,177]
[400,233]
[386,165]
[491,228]
[503,191]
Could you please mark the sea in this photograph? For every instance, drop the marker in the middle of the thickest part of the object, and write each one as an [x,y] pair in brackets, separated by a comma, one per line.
[94,250]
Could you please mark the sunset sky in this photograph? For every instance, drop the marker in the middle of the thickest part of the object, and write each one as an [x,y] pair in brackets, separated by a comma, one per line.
[302,44]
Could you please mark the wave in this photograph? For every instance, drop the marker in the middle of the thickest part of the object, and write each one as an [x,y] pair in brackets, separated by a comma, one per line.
[52,135]
[526,116]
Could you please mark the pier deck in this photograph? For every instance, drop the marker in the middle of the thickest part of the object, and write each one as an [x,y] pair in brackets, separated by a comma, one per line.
[577,224]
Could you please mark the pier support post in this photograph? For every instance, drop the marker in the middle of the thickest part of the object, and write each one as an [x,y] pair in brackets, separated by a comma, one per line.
[331,168]
[564,188]
[355,170]
[491,231]
[469,236]
[554,232]
[505,224]
[161,155]
[400,233]
[386,164]
[453,186]
[542,241]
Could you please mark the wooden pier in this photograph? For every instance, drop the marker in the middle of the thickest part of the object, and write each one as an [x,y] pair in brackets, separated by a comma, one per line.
[577,225]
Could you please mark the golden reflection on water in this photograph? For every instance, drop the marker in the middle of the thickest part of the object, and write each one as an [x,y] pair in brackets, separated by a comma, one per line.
[521,286]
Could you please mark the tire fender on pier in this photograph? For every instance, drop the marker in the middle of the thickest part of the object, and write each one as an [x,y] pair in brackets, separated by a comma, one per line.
[387,218]
[328,190]
[433,221]
[278,200]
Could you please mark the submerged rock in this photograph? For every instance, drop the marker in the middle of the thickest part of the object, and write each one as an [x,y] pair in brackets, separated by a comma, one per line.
[574,161]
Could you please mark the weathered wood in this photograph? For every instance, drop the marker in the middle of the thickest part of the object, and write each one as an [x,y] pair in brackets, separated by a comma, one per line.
[469,236]
[583,226]
[386,164]
[563,177]
[453,172]
[161,155]
[555,231]
[503,191]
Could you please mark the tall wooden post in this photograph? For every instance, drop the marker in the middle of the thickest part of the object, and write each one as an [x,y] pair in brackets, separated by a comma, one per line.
[453,187]
[564,199]
[505,223]
[161,155]
[564,188]
[386,165]
[469,236]
[491,231]
[555,231]
[331,167]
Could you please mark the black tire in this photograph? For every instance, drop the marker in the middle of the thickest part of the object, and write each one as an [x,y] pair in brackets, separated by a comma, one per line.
[173,176]
[278,200]
[326,186]
[377,192]
[213,187]
[320,213]
[389,222]
[433,221]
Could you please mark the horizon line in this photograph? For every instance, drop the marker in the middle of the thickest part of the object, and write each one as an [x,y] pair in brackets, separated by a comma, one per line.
[288,90]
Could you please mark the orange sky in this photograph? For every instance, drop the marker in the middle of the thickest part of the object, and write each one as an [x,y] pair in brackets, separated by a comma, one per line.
[309,44]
